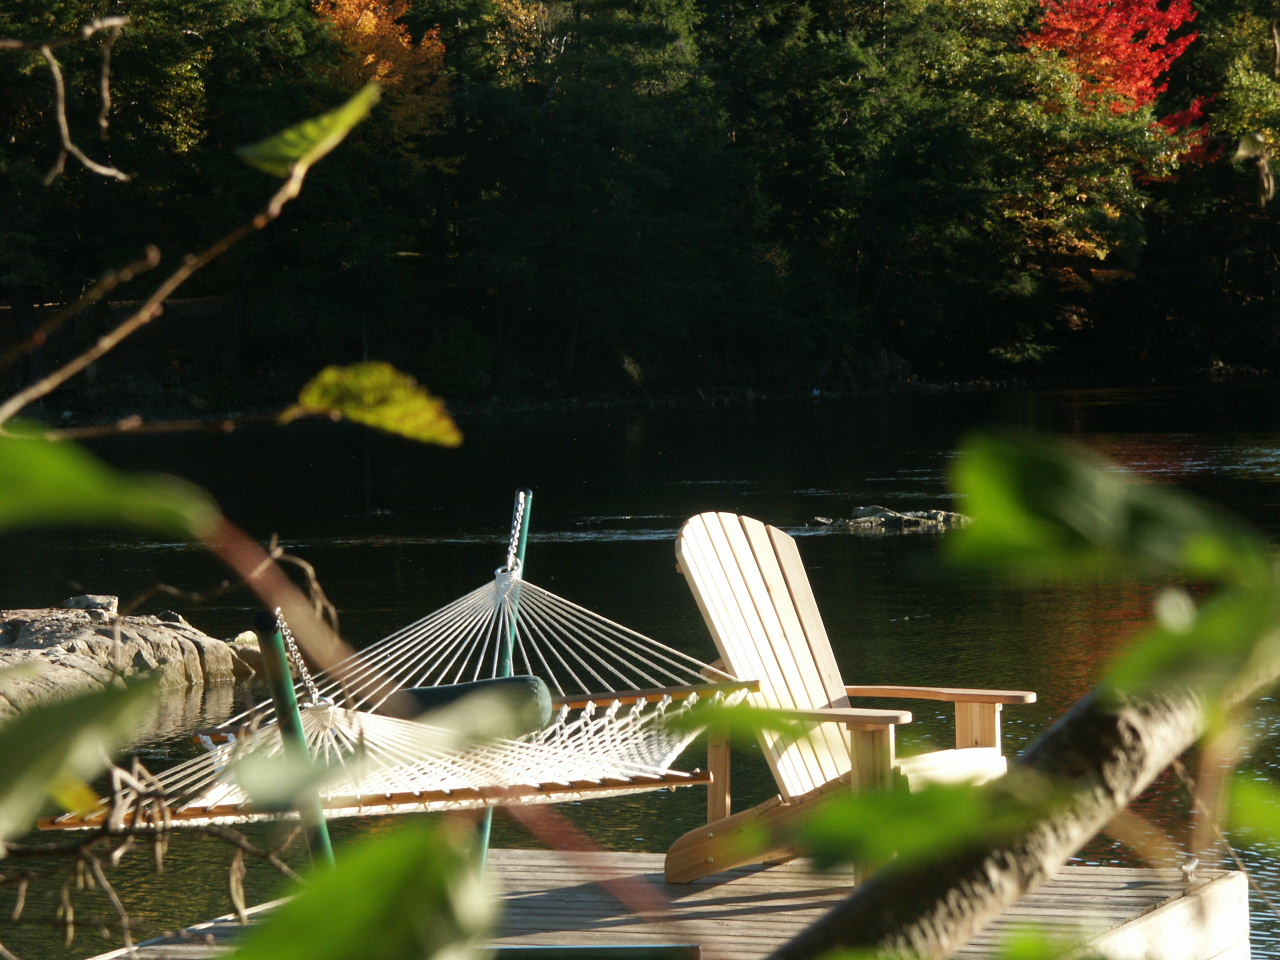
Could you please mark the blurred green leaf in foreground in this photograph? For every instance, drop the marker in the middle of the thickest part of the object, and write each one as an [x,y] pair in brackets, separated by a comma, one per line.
[1045,508]
[411,894]
[52,749]
[45,483]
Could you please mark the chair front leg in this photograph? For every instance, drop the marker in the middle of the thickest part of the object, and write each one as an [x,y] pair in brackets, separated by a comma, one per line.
[719,800]
[978,725]
[871,756]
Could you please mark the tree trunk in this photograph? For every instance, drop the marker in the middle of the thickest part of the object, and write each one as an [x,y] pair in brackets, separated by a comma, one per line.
[1101,754]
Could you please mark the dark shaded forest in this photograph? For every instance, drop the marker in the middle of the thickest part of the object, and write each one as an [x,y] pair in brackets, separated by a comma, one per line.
[587,197]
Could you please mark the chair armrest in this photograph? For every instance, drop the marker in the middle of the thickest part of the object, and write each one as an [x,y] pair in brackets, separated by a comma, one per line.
[855,715]
[951,694]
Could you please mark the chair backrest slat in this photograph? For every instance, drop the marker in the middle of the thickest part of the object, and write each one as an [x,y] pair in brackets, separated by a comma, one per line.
[751,588]
[806,609]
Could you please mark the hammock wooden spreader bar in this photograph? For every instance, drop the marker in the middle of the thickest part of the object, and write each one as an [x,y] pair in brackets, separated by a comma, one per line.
[376,764]
[465,798]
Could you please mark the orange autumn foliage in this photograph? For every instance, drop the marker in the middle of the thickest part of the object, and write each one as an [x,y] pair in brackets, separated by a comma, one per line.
[379,47]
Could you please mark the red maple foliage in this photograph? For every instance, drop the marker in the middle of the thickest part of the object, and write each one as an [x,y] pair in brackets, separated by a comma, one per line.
[1118,48]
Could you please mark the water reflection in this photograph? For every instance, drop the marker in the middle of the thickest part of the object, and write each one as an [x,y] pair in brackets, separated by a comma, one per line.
[397,530]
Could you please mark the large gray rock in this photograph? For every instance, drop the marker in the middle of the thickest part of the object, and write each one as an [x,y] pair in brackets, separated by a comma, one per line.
[88,646]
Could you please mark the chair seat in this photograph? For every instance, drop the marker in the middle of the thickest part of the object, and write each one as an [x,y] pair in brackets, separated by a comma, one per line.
[962,765]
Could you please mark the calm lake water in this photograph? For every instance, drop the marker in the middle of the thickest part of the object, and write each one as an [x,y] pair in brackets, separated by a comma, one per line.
[396,530]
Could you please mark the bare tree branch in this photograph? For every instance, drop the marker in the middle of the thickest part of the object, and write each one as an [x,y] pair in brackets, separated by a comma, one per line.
[104,81]
[1102,753]
[135,424]
[154,305]
[64,129]
[84,33]
[320,601]
[113,25]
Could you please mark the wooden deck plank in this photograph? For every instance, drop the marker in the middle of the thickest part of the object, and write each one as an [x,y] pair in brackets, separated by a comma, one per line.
[555,899]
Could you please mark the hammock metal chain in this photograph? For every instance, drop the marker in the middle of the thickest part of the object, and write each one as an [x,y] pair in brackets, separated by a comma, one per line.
[296,656]
[514,548]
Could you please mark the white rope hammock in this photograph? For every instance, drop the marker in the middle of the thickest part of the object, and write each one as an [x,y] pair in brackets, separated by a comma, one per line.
[575,651]
[616,690]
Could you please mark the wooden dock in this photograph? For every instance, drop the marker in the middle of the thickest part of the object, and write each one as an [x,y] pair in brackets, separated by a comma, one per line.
[611,899]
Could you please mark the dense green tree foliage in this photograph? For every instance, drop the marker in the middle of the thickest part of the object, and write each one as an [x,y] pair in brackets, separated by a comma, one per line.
[672,194]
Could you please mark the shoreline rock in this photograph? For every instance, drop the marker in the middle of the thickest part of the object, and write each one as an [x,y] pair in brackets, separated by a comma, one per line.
[85,645]
[880,520]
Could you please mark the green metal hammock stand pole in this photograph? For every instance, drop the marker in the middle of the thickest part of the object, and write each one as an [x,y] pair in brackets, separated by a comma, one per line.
[515,562]
[275,663]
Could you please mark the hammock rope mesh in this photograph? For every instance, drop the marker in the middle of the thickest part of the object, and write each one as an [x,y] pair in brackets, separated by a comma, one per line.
[385,764]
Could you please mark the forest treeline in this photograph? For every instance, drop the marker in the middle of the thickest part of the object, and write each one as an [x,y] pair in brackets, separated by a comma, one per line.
[569,195]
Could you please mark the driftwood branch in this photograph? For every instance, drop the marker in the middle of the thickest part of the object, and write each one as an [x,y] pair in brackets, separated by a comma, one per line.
[1104,752]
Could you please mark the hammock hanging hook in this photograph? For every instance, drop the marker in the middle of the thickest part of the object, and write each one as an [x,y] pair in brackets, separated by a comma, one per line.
[519,534]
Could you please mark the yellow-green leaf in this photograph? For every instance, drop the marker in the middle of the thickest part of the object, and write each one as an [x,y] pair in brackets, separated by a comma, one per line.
[73,795]
[46,750]
[1255,809]
[45,482]
[304,143]
[378,395]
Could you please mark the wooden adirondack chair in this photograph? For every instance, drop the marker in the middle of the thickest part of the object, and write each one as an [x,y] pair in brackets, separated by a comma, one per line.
[754,594]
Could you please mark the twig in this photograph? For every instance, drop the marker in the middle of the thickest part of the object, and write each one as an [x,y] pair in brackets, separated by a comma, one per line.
[191,596]
[37,851]
[24,883]
[135,424]
[66,912]
[101,876]
[1275,42]
[84,33]
[106,285]
[104,80]
[240,841]
[1180,769]
[323,607]
[46,47]
[555,830]
[154,304]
